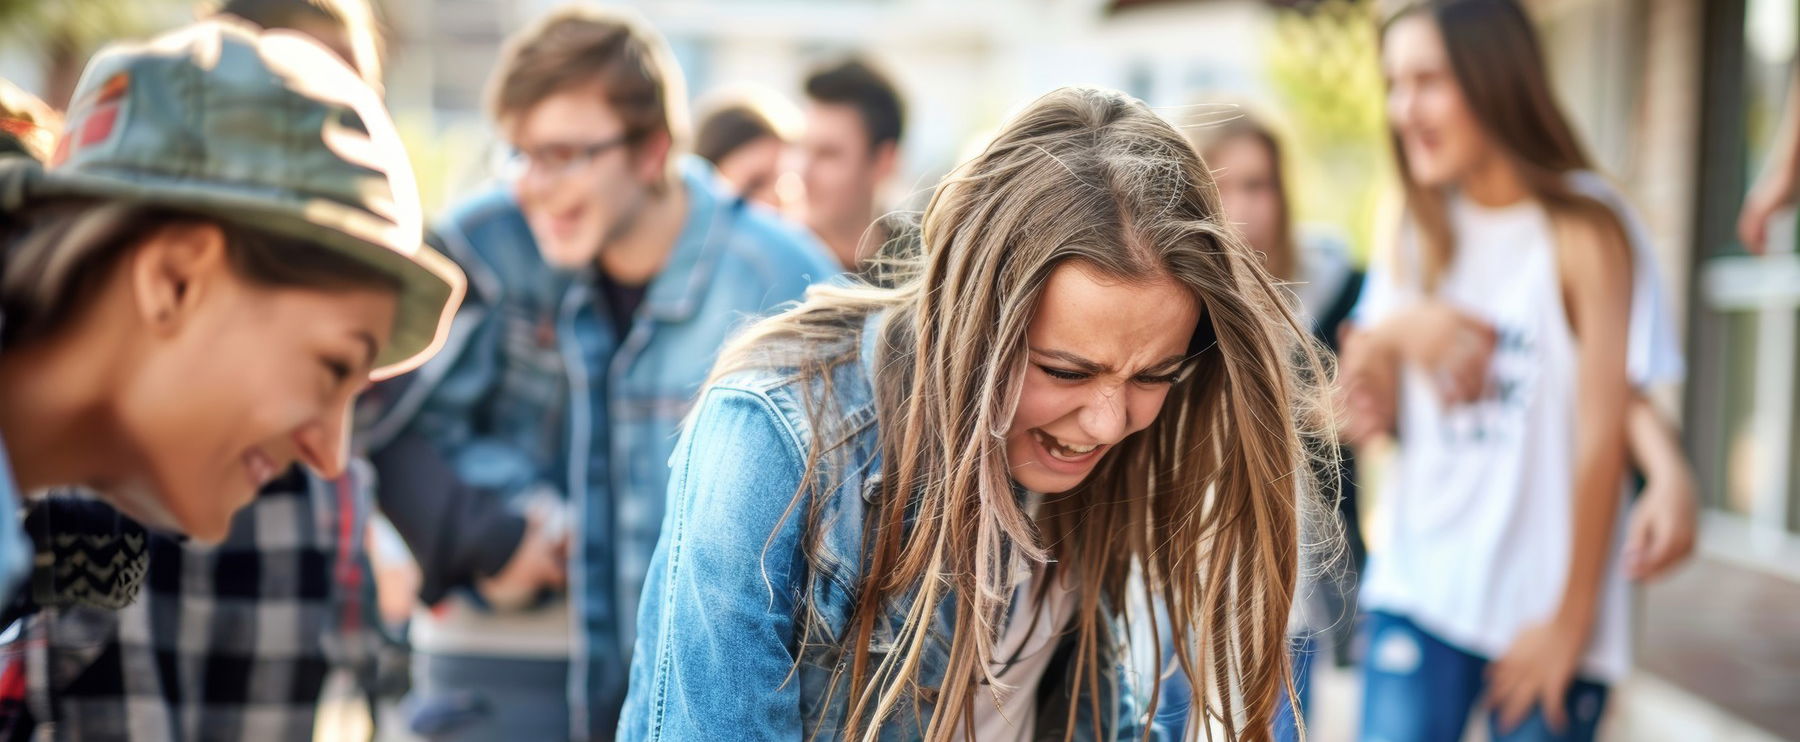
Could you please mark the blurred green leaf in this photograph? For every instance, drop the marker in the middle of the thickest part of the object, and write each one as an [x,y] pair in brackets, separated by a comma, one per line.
[64,33]
[1324,68]
[85,23]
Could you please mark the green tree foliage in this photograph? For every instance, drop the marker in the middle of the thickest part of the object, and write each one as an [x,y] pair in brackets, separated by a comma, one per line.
[1324,70]
[64,33]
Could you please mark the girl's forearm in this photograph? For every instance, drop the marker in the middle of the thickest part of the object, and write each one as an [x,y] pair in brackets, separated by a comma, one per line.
[1600,465]
[1653,445]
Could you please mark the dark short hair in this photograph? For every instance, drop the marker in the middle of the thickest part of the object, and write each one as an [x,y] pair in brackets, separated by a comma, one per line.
[355,18]
[856,83]
[726,129]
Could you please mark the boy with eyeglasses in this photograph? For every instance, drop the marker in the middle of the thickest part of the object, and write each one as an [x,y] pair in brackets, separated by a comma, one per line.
[606,270]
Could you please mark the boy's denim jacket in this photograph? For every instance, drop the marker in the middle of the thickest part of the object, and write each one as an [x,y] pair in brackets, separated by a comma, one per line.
[535,391]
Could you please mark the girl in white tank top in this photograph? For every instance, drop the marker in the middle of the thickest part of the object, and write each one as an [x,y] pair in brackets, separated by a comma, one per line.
[1493,572]
[1476,514]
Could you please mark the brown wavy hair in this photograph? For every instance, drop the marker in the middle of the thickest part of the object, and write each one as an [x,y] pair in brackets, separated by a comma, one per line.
[1498,65]
[1204,504]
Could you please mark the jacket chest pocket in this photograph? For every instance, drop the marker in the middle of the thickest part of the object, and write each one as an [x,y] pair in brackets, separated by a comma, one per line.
[533,375]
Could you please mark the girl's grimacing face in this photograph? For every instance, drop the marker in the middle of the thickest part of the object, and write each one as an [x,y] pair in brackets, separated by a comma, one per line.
[1101,357]
[234,383]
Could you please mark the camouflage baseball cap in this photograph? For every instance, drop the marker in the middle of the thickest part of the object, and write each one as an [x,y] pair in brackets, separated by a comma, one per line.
[267,130]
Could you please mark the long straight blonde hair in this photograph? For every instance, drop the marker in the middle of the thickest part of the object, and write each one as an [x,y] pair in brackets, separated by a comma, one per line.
[1205,503]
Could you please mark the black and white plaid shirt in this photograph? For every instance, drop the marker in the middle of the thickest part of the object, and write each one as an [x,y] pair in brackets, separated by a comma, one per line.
[232,642]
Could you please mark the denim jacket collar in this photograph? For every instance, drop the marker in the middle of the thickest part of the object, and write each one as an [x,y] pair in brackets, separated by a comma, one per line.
[676,291]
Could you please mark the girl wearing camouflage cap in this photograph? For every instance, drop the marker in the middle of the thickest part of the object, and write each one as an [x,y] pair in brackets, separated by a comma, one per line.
[222,252]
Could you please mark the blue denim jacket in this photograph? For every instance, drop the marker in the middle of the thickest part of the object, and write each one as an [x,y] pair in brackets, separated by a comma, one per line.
[15,546]
[535,392]
[718,637]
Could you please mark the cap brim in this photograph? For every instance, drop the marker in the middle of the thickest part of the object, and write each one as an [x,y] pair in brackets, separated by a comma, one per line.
[431,286]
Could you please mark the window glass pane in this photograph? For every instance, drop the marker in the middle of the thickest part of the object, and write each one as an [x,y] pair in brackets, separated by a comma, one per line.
[1736,492]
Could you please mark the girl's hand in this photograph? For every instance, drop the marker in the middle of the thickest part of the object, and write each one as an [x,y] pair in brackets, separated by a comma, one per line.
[540,562]
[1660,532]
[1453,347]
[1773,191]
[1368,386]
[1537,670]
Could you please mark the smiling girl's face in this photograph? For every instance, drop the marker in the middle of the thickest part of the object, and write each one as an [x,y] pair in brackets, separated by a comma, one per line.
[233,382]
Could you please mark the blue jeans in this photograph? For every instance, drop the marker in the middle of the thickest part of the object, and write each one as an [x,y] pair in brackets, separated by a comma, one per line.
[488,699]
[1416,688]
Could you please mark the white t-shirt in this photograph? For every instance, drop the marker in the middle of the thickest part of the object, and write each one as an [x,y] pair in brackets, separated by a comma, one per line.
[1029,647]
[1477,508]
[1024,650]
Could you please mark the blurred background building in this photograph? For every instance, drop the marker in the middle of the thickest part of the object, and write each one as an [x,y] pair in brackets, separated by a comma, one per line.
[1677,100]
